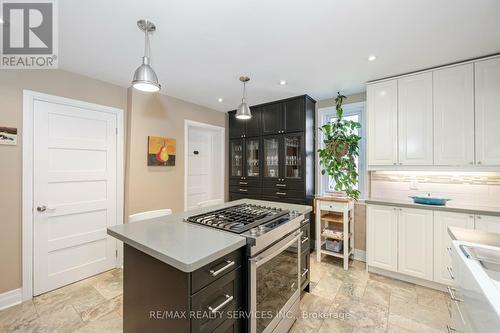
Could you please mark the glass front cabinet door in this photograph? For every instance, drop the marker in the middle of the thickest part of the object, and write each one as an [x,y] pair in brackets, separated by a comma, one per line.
[236,150]
[293,145]
[272,157]
[252,149]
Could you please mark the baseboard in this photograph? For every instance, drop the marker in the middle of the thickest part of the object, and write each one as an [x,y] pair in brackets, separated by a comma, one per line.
[359,255]
[10,298]
[407,278]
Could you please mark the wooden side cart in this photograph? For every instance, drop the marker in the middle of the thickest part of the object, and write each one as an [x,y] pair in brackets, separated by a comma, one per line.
[334,228]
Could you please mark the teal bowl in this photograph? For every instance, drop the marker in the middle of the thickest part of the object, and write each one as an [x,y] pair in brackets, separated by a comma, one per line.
[426,200]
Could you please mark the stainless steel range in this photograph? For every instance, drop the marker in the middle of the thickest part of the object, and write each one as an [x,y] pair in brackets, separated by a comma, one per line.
[274,246]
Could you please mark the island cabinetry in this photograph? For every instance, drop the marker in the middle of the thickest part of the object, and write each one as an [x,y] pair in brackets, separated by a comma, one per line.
[160,298]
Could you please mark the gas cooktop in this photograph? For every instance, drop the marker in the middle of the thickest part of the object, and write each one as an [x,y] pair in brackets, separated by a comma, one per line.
[239,218]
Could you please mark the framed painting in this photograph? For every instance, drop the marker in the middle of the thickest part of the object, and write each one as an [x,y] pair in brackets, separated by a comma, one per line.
[8,136]
[161,151]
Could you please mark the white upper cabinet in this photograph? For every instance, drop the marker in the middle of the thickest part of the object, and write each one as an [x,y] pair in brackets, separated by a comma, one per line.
[383,123]
[454,115]
[442,241]
[487,84]
[415,119]
[415,243]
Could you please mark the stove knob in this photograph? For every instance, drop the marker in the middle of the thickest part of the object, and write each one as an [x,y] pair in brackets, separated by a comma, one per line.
[254,231]
[262,227]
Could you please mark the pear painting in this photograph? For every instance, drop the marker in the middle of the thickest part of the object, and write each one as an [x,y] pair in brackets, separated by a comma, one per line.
[161,151]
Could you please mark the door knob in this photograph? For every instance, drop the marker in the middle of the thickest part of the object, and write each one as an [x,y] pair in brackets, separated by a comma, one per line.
[42,208]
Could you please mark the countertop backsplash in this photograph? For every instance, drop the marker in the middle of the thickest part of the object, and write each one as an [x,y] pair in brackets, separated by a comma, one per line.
[467,188]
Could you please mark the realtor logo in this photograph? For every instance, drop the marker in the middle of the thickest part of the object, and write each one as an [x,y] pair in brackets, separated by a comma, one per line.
[29,34]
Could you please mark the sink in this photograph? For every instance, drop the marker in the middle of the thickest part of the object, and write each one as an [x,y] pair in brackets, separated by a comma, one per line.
[489,259]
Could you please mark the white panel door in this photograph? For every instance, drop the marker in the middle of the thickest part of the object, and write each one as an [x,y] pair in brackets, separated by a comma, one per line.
[488,223]
[74,193]
[415,119]
[415,243]
[382,123]
[454,115]
[382,237]
[442,241]
[487,85]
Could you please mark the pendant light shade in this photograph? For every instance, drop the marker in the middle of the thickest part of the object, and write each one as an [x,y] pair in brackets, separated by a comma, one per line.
[243,111]
[145,78]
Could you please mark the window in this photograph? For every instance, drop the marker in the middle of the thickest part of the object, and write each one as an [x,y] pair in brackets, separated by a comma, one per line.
[353,111]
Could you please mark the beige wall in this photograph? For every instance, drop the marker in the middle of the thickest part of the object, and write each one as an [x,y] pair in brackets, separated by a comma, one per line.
[12,83]
[153,114]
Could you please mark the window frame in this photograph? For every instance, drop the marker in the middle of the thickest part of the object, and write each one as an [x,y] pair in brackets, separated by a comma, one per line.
[324,115]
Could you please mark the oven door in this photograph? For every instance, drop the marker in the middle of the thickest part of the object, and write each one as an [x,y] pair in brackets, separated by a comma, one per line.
[274,284]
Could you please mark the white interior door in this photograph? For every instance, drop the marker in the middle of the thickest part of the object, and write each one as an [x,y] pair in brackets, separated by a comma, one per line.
[74,193]
[204,178]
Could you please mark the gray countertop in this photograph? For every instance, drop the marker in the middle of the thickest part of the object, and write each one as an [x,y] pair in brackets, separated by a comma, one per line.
[450,207]
[187,246]
[474,236]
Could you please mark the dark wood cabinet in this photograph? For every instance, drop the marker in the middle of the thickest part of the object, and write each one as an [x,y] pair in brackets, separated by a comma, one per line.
[278,164]
[253,124]
[239,128]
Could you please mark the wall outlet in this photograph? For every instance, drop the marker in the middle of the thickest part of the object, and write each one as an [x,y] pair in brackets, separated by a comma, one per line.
[413,185]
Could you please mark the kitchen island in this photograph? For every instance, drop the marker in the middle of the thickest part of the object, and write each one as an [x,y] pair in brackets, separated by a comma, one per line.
[184,277]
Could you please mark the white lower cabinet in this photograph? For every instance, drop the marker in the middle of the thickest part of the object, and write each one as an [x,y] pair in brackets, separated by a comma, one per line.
[382,237]
[442,241]
[415,243]
[488,223]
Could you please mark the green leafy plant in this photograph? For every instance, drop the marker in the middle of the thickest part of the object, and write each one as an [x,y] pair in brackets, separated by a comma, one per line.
[341,147]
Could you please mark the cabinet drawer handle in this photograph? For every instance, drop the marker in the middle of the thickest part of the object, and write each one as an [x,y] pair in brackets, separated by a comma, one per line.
[281,185]
[243,183]
[280,193]
[448,249]
[452,294]
[243,190]
[450,271]
[304,239]
[305,272]
[221,305]
[450,329]
[217,272]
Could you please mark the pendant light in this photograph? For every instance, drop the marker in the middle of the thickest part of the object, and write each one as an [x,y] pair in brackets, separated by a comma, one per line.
[145,78]
[243,111]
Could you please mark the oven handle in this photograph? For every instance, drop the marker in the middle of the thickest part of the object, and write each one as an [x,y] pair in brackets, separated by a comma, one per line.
[277,249]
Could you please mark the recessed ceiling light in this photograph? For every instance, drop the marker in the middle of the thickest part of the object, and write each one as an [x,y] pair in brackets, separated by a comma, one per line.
[282,82]
[220,100]
[372,58]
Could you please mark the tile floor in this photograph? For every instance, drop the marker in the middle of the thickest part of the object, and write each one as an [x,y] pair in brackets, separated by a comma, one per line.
[340,301]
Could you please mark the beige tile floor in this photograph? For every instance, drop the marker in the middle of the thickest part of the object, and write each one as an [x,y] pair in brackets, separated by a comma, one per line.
[340,301]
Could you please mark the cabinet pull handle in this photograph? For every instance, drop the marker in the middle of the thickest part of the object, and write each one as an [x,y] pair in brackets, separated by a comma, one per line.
[450,271]
[449,249]
[452,294]
[243,183]
[479,162]
[230,263]
[478,217]
[221,305]
[304,272]
[243,190]
[451,329]
[304,239]
[281,185]
[280,193]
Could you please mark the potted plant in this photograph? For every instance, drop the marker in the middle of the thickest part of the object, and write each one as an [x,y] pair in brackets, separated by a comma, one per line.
[341,148]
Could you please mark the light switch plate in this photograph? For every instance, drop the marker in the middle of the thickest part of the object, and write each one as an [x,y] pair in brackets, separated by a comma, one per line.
[413,185]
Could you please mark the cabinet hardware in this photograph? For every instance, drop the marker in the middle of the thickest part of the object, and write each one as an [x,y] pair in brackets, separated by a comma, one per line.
[400,163]
[471,216]
[229,264]
[243,183]
[221,305]
[305,272]
[449,249]
[452,294]
[479,162]
[450,329]
[471,163]
[280,193]
[304,239]
[478,217]
[281,185]
[394,163]
[450,271]
[292,286]
[243,190]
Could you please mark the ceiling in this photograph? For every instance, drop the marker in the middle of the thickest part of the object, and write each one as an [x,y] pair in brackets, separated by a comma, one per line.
[319,47]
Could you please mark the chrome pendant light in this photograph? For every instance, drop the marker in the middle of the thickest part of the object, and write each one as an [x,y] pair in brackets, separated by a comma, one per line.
[145,78]
[243,111]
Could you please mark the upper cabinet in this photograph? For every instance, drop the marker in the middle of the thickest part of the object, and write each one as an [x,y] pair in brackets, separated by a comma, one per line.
[487,88]
[284,117]
[239,128]
[447,116]
[383,123]
[271,119]
[415,119]
[454,115]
